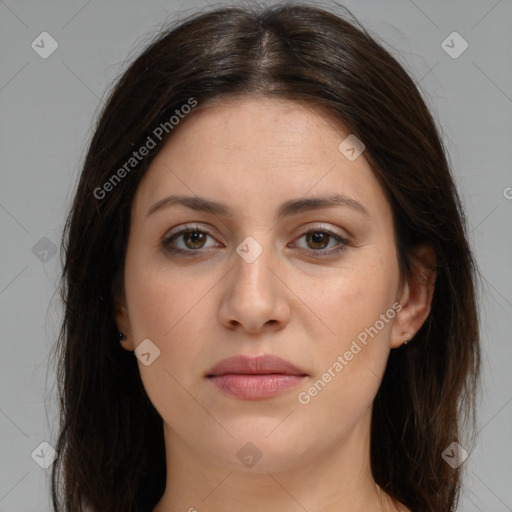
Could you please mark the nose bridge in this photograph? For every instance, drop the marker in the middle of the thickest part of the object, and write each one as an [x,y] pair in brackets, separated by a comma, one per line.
[253,257]
[254,297]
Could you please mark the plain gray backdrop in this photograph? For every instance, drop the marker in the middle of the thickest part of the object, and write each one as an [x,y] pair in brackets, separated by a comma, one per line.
[48,106]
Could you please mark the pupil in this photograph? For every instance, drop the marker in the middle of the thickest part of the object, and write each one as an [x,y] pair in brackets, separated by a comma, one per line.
[195,236]
[317,238]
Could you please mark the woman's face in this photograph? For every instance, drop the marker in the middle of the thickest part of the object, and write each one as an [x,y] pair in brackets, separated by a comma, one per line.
[249,280]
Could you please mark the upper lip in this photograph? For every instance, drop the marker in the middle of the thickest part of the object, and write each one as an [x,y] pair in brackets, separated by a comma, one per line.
[254,365]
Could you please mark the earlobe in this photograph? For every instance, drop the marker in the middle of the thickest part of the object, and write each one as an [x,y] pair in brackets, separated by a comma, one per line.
[123,326]
[417,295]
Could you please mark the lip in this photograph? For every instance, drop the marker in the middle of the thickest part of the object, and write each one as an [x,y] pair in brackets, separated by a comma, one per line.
[255,378]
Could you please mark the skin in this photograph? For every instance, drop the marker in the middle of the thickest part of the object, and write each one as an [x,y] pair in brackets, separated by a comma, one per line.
[252,154]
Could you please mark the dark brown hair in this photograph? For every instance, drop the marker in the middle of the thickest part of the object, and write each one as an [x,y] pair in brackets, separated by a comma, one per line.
[110,442]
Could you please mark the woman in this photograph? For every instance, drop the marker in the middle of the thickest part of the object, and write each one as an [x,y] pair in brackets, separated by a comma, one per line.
[269,294]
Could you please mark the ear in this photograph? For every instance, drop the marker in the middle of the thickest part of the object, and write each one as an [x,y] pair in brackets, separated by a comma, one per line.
[122,320]
[416,296]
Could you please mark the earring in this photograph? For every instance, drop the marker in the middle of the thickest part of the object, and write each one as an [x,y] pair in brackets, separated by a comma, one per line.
[122,337]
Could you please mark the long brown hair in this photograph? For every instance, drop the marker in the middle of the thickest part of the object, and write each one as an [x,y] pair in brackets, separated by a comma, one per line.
[110,442]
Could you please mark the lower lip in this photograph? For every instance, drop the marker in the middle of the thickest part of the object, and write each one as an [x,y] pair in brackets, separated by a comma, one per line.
[256,387]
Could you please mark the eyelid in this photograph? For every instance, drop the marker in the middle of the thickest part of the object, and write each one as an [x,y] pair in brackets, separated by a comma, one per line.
[306,228]
[180,230]
[343,240]
[303,229]
[186,227]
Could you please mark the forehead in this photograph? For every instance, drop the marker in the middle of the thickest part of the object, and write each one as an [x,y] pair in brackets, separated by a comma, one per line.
[240,148]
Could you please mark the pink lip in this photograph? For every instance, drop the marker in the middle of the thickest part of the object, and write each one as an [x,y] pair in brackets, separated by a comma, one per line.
[255,378]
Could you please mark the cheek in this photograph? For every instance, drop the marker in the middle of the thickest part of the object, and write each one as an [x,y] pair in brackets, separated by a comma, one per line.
[169,312]
[173,308]
[349,375]
[161,297]
[358,309]
[352,299]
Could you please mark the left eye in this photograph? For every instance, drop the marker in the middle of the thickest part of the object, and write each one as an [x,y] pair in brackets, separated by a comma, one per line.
[319,240]
[195,239]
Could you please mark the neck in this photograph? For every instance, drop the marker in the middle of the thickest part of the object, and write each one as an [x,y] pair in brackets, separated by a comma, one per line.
[337,480]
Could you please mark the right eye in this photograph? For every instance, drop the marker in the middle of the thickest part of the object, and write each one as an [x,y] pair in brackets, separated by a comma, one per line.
[193,240]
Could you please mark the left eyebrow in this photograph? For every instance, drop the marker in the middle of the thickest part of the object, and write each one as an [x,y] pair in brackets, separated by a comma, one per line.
[288,208]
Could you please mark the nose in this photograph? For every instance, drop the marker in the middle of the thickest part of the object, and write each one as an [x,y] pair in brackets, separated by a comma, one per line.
[255,295]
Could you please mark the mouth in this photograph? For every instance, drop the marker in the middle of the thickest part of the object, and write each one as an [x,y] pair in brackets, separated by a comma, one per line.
[255,378]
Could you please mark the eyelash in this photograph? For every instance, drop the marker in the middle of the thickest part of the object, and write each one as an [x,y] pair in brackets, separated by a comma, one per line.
[192,253]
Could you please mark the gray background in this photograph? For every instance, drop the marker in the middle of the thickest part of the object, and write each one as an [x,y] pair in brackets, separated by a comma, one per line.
[47,110]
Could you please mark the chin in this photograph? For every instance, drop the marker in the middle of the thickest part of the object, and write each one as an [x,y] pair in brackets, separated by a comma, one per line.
[259,448]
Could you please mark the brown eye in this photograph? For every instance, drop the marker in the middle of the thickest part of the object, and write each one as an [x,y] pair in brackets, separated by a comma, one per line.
[186,241]
[191,242]
[317,239]
[196,238]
